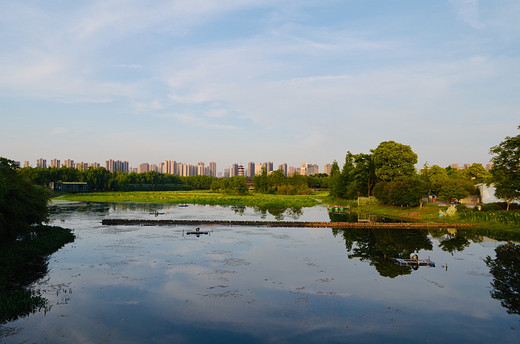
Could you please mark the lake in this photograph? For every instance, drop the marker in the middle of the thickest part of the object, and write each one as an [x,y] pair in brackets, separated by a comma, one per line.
[159,284]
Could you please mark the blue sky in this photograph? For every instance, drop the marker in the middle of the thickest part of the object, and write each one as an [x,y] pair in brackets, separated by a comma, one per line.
[238,81]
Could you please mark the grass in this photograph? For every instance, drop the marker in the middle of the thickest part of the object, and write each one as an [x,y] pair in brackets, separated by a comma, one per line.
[201,197]
[492,220]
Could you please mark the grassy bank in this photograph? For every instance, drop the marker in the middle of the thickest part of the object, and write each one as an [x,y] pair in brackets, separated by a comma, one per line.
[496,220]
[201,197]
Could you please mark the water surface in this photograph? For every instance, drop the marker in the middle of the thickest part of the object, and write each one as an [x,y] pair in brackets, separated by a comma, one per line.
[146,284]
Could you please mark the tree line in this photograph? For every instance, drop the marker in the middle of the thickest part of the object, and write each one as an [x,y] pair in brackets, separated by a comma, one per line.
[100,179]
[389,174]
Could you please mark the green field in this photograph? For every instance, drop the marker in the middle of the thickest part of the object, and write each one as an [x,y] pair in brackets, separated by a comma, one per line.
[200,197]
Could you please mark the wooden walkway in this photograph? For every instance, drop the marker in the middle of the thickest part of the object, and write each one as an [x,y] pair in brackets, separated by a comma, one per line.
[396,225]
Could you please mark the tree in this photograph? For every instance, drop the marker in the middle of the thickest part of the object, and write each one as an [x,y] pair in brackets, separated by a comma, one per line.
[394,161]
[506,169]
[455,188]
[334,180]
[260,182]
[22,203]
[364,175]
[476,173]
[505,269]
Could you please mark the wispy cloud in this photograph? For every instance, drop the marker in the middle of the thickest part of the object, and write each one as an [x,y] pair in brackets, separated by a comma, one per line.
[198,121]
[59,131]
[468,12]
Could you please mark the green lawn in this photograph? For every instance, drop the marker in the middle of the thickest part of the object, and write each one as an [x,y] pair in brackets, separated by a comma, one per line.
[200,197]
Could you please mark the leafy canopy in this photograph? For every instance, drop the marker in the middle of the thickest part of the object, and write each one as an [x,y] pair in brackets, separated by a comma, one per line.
[506,169]
[394,161]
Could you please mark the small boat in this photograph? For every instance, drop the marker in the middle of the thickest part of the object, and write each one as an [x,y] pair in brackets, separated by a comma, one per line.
[414,261]
[197,232]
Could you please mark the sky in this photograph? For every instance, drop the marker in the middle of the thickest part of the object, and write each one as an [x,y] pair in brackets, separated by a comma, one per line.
[231,81]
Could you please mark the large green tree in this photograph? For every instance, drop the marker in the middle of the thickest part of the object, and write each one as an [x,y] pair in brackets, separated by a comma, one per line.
[394,161]
[506,169]
[22,203]
[334,180]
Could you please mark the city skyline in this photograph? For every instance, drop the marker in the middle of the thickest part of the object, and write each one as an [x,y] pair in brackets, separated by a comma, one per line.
[186,169]
[234,81]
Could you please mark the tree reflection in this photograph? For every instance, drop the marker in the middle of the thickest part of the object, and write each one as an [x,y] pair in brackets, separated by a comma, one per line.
[23,263]
[239,209]
[278,211]
[505,269]
[454,243]
[380,246]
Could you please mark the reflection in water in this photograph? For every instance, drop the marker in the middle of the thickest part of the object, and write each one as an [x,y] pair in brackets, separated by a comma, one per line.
[505,269]
[23,263]
[260,284]
[347,216]
[278,212]
[379,247]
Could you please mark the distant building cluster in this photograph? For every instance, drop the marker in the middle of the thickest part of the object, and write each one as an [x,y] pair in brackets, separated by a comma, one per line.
[187,170]
[456,166]
[201,169]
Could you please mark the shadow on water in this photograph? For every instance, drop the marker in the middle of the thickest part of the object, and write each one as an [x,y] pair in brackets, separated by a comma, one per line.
[23,263]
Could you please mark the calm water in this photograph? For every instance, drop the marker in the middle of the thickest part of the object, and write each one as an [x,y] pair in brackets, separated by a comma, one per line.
[259,285]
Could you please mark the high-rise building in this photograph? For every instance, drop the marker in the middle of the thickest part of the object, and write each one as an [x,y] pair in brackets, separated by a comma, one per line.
[118,166]
[41,163]
[309,169]
[154,167]
[283,167]
[94,164]
[455,166]
[81,165]
[174,168]
[234,170]
[292,170]
[268,166]
[240,171]
[200,168]
[250,169]
[26,163]
[227,173]
[143,168]
[258,168]
[55,163]
[69,163]
[327,168]
[213,169]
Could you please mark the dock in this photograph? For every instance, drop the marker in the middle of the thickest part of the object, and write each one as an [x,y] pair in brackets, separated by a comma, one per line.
[367,225]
